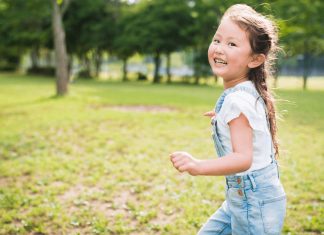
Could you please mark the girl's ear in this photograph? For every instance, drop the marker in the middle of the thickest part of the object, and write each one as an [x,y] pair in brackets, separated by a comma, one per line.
[256,61]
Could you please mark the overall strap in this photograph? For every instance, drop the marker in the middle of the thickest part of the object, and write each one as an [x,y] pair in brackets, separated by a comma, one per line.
[256,95]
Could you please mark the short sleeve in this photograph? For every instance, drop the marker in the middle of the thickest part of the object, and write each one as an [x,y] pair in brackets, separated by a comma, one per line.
[242,102]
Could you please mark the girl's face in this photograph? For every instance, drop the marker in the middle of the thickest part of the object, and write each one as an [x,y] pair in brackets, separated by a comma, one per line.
[230,53]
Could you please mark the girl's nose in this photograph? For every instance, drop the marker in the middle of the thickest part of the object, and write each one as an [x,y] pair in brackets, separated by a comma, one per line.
[218,49]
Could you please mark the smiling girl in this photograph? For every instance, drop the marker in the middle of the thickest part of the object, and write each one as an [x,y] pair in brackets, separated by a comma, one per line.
[244,128]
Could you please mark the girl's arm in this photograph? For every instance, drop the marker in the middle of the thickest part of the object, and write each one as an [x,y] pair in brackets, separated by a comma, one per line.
[238,161]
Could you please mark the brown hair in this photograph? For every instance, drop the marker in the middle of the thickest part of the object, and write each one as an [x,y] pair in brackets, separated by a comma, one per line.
[263,37]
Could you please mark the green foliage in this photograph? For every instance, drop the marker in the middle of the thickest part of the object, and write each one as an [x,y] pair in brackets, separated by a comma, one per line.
[9,60]
[154,28]
[301,25]
[90,25]
[206,14]
[167,24]
[24,25]
[96,161]
[126,44]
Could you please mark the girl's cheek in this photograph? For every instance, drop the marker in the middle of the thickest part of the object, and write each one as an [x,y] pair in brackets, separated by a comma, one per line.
[210,49]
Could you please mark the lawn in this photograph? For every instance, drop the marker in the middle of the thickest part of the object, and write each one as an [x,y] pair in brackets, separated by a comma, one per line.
[96,161]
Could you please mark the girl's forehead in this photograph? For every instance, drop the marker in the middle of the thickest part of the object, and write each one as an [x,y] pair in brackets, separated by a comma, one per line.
[231,30]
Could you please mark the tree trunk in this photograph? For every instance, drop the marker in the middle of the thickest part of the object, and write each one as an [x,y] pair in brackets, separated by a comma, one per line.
[87,66]
[306,64]
[305,70]
[125,69]
[34,57]
[275,75]
[275,80]
[216,78]
[62,77]
[196,66]
[157,62]
[49,61]
[168,67]
[197,78]
[98,62]
[70,65]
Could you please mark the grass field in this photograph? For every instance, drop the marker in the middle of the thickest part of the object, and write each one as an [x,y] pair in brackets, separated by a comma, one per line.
[96,161]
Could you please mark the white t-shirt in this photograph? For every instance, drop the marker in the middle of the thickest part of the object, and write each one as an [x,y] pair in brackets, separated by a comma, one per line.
[243,102]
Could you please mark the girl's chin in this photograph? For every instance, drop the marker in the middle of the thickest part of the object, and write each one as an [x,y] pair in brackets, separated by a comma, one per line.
[218,72]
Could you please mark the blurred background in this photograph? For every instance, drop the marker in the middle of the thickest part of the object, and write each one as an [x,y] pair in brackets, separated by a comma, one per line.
[157,40]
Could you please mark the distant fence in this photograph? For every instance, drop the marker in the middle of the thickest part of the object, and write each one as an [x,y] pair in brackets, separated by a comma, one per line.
[294,66]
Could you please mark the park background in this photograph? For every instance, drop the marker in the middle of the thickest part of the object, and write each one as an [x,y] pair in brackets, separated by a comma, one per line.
[95,95]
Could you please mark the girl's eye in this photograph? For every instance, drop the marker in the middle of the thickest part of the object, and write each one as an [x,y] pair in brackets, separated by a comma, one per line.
[232,44]
[216,41]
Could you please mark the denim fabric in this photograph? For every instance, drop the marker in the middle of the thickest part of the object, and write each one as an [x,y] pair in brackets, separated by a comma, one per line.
[256,202]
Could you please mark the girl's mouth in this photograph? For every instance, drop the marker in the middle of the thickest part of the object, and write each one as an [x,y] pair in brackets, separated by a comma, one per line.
[219,61]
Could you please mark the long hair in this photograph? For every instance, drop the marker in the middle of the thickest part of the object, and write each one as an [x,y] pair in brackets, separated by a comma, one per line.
[263,37]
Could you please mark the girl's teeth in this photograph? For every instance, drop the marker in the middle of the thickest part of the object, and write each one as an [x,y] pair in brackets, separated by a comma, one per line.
[220,61]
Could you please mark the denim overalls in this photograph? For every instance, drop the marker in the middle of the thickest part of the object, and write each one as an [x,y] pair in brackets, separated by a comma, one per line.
[255,202]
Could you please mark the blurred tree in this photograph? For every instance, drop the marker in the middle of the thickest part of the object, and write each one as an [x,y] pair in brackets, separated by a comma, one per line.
[178,31]
[206,14]
[9,52]
[25,27]
[148,27]
[126,41]
[62,76]
[162,27]
[301,23]
[90,29]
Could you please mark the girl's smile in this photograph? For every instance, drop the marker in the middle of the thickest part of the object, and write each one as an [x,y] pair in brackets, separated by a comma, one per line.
[220,61]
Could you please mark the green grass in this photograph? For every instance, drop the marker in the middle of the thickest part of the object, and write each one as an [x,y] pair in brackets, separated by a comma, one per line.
[96,161]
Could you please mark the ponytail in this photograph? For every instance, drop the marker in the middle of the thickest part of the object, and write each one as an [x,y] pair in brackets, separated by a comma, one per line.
[258,77]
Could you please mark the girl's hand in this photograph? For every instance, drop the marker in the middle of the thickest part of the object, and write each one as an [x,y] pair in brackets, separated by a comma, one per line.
[210,114]
[184,162]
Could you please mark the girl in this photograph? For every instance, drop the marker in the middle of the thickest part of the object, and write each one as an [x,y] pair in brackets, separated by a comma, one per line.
[244,128]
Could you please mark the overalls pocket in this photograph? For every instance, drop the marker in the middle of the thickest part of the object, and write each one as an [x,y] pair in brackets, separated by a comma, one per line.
[273,212]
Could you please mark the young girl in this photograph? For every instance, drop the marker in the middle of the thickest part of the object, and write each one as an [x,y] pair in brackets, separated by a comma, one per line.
[244,128]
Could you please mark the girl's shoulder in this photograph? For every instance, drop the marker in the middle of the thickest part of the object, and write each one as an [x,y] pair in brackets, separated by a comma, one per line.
[241,97]
[241,101]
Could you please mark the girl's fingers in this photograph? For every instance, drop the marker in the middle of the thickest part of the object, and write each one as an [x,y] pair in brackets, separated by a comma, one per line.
[176,156]
[209,114]
[179,159]
[183,168]
[179,163]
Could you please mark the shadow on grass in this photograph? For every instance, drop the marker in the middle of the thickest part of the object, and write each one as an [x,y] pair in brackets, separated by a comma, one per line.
[33,102]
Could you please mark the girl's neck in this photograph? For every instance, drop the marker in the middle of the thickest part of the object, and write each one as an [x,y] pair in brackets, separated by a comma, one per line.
[234,82]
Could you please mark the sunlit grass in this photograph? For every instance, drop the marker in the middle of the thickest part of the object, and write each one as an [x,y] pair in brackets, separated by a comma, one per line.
[96,161]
